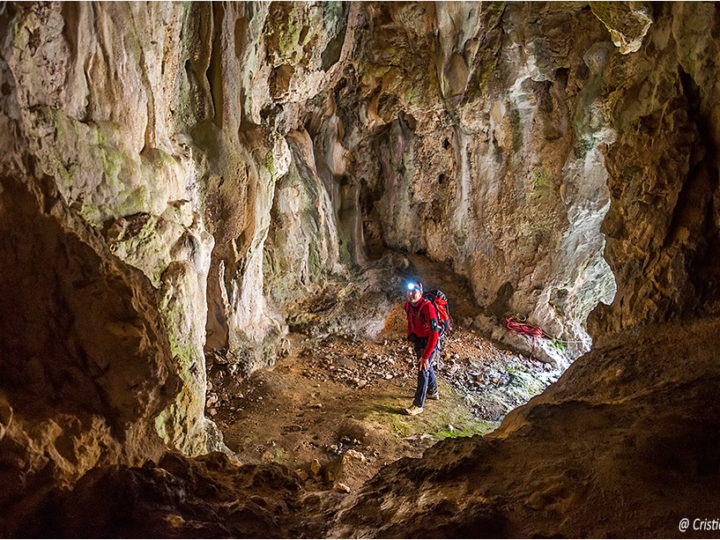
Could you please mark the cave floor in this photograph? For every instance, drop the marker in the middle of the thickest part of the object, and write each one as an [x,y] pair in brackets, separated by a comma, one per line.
[333,410]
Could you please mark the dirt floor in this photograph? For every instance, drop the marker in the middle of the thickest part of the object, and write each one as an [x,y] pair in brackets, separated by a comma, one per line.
[334,410]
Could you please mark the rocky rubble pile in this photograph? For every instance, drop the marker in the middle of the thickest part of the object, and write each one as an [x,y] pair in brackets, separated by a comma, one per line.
[337,473]
[493,381]
[334,361]
[223,384]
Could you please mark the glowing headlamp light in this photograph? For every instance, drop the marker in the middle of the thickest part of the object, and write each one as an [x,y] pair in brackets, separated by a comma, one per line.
[411,286]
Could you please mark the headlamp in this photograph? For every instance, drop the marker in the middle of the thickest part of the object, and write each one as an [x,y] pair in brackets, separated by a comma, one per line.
[411,286]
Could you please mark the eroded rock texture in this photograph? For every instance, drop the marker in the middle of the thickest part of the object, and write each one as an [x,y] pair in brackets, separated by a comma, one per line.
[86,363]
[185,177]
[661,228]
[208,497]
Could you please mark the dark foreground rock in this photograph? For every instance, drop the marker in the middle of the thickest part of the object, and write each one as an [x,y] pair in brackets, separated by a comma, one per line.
[623,445]
[207,497]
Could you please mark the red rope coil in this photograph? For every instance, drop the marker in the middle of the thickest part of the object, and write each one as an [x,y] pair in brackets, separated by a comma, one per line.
[518,328]
[523,329]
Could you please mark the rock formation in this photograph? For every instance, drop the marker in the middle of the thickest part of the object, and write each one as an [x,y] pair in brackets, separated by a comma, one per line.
[180,178]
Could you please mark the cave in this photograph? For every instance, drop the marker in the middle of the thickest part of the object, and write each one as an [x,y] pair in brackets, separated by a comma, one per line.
[209,213]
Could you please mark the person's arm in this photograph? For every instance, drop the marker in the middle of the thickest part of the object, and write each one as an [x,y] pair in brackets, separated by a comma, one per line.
[432,338]
[407,314]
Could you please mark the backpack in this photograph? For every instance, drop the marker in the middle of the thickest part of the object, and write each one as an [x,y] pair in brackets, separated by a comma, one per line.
[439,301]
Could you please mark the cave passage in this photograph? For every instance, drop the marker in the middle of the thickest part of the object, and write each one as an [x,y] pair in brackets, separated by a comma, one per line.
[333,408]
[208,212]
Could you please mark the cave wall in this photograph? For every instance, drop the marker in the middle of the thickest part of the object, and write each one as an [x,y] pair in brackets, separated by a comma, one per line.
[86,361]
[513,141]
[90,105]
[162,130]
[477,120]
[228,162]
[661,228]
[623,445]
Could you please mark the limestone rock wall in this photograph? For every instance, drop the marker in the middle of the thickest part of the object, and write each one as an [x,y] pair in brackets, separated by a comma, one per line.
[483,150]
[95,105]
[604,451]
[661,229]
[86,362]
[161,131]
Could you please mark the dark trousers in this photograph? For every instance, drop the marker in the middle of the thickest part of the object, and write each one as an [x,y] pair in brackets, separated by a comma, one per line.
[426,381]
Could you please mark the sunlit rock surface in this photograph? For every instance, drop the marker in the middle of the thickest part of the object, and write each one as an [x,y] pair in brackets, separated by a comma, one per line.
[179,178]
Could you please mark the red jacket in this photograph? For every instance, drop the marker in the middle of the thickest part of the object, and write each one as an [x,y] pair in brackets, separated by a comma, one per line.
[423,322]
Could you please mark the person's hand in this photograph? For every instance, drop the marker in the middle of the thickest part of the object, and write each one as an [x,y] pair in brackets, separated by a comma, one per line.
[424,363]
